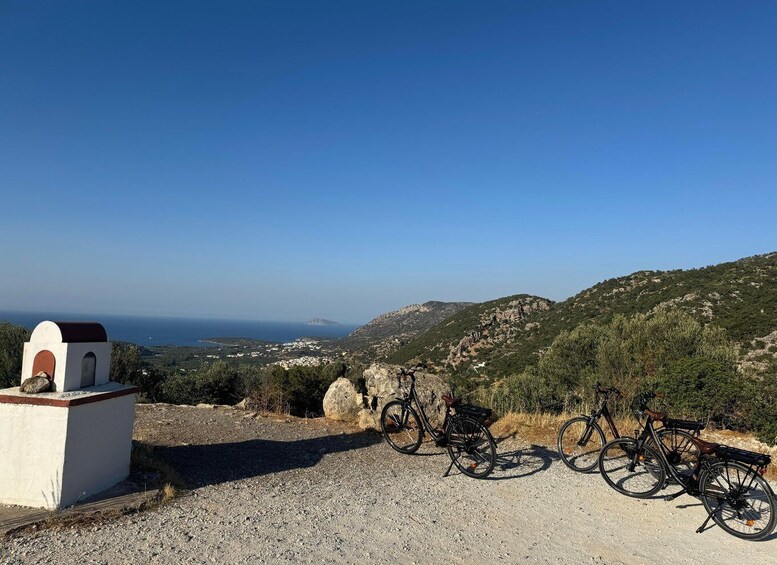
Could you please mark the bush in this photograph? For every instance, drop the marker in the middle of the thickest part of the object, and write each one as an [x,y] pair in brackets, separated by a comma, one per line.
[297,390]
[218,383]
[694,361]
[12,340]
[702,388]
[265,387]
[763,416]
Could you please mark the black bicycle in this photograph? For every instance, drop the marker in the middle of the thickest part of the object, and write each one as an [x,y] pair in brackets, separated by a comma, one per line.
[580,439]
[464,432]
[729,481]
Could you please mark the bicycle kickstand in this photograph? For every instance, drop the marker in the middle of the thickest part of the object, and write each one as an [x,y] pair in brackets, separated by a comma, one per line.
[700,529]
[449,469]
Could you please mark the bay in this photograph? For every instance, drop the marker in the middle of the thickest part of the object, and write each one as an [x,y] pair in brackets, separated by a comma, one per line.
[151,331]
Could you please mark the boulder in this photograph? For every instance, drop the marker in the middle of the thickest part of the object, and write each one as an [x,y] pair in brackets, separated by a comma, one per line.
[341,401]
[382,387]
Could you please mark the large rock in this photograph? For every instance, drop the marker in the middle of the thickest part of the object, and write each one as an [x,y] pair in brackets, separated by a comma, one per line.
[34,385]
[342,402]
[381,386]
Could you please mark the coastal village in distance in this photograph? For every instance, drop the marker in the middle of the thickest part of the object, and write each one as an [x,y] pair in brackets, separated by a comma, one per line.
[302,352]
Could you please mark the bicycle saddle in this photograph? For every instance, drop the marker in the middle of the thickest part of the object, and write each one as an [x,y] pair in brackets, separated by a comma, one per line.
[705,447]
[657,416]
[451,402]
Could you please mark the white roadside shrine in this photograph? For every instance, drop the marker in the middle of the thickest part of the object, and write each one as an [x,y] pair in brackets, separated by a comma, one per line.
[61,446]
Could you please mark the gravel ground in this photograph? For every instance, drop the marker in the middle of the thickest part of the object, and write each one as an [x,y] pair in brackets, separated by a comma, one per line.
[299,491]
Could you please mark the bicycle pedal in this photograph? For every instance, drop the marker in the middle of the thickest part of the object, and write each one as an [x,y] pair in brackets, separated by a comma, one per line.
[670,497]
[441,442]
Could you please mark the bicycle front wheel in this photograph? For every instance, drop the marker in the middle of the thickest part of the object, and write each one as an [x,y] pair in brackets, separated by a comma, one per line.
[635,472]
[401,427]
[579,443]
[471,447]
[740,501]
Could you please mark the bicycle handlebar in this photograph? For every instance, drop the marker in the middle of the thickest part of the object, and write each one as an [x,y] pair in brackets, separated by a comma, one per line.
[410,371]
[641,401]
[606,391]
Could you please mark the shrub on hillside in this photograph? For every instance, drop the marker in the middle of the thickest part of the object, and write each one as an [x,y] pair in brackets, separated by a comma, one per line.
[297,390]
[762,398]
[12,340]
[703,388]
[218,383]
[667,348]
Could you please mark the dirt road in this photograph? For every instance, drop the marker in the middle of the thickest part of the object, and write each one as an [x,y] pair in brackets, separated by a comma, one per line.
[269,490]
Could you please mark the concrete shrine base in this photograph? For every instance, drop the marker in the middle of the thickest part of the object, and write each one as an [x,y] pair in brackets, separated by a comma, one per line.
[57,448]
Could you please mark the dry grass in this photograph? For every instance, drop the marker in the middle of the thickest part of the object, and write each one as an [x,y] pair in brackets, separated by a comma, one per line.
[542,429]
[168,492]
[535,427]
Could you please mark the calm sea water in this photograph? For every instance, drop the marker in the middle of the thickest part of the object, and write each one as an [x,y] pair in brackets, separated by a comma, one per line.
[182,331]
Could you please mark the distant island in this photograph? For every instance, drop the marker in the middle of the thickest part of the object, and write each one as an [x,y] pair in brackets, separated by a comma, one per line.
[321,322]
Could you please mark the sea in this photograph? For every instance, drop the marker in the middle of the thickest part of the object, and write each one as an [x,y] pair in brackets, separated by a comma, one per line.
[151,331]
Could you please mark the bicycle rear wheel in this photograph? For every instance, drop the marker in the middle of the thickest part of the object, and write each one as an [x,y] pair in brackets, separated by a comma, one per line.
[680,451]
[401,427]
[740,501]
[638,473]
[579,443]
[471,447]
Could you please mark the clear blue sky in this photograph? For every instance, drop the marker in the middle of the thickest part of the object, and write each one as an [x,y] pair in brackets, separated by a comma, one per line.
[288,159]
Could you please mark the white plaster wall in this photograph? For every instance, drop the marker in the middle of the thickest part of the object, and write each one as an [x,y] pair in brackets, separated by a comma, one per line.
[32,451]
[75,355]
[60,354]
[98,448]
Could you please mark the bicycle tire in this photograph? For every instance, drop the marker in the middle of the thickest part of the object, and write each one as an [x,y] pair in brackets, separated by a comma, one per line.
[471,447]
[632,472]
[749,515]
[400,420]
[568,444]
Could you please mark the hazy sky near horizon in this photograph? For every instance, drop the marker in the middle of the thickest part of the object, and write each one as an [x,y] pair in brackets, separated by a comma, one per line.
[290,159]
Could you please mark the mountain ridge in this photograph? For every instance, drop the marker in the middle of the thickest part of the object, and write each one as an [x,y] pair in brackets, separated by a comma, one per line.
[385,333]
[739,296]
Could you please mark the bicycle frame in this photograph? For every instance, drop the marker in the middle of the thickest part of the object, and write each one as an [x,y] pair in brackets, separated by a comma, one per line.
[410,398]
[602,411]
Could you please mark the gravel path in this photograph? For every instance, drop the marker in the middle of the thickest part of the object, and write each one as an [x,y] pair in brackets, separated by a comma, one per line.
[294,491]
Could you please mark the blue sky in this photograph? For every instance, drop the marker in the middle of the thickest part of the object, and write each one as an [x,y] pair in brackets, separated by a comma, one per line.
[284,160]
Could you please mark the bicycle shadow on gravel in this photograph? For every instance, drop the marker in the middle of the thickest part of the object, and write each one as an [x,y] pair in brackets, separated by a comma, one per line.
[522,462]
[210,464]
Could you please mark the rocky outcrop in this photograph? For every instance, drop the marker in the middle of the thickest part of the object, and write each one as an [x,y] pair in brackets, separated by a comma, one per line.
[341,401]
[380,387]
[496,326]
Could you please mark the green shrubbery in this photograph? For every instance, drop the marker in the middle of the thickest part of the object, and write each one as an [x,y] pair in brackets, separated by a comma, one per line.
[12,340]
[216,383]
[297,390]
[669,351]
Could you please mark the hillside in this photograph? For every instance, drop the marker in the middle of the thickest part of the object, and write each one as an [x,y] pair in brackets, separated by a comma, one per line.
[386,333]
[739,296]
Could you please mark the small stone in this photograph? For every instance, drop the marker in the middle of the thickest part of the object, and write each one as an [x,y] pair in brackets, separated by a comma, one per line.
[39,383]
